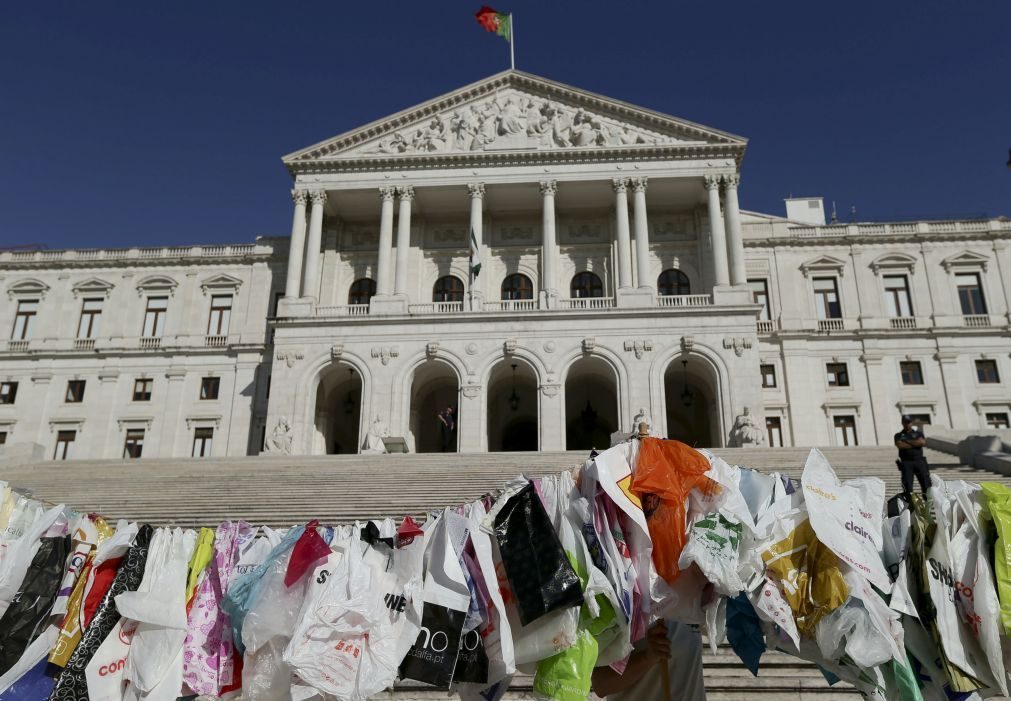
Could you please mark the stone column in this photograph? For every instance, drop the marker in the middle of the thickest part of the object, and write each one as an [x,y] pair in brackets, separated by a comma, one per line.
[549,252]
[623,235]
[735,239]
[717,236]
[641,234]
[953,396]
[476,226]
[292,282]
[403,238]
[384,285]
[310,281]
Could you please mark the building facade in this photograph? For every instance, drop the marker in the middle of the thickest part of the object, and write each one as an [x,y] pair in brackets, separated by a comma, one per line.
[549,263]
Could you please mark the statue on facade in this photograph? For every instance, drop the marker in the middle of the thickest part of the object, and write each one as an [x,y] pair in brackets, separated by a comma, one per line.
[746,432]
[512,120]
[374,438]
[280,439]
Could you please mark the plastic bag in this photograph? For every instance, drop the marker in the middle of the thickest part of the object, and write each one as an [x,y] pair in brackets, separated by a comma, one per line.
[666,472]
[20,553]
[998,509]
[744,632]
[29,678]
[714,543]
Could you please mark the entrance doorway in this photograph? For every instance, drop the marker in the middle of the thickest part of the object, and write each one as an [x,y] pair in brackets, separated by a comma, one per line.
[692,412]
[338,412]
[434,388]
[591,405]
[512,407]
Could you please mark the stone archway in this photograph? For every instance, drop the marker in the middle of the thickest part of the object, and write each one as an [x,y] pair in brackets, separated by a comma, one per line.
[591,404]
[338,411]
[692,402]
[434,387]
[512,410]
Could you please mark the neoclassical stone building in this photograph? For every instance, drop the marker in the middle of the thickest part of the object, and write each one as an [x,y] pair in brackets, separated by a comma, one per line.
[617,277]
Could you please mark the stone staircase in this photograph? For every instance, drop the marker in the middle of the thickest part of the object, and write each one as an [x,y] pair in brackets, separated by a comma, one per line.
[280,491]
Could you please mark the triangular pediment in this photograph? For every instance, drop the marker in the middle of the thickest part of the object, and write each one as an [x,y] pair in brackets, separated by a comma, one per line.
[893,261]
[221,282]
[966,259]
[823,264]
[518,114]
[92,285]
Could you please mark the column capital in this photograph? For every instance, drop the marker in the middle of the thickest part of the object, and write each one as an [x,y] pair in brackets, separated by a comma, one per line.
[387,193]
[318,197]
[731,182]
[299,196]
[406,192]
[712,181]
[620,184]
[476,190]
[638,184]
[549,187]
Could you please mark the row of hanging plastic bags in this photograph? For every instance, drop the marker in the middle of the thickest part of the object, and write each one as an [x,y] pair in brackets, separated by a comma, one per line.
[553,576]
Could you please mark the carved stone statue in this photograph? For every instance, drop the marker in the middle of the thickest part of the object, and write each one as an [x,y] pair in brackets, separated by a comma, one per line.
[280,439]
[512,120]
[746,432]
[374,438]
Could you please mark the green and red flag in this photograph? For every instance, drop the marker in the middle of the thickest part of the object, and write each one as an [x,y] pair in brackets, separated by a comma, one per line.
[495,21]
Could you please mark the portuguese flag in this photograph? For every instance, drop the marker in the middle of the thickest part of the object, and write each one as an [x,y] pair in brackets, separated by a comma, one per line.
[495,21]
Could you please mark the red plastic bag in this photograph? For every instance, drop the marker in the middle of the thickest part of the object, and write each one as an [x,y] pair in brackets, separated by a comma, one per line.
[664,475]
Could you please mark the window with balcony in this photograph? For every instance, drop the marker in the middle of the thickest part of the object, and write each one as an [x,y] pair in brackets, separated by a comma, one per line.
[911,372]
[760,295]
[997,419]
[221,313]
[517,286]
[24,319]
[448,288]
[134,444]
[897,298]
[826,298]
[75,392]
[64,442]
[774,427]
[970,294]
[768,376]
[154,317]
[209,387]
[8,391]
[142,390]
[586,284]
[986,372]
[362,291]
[837,375]
[845,430]
[202,439]
[673,282]
[91,313]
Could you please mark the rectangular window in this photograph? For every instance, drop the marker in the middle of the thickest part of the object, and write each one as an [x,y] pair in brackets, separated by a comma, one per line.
[221,312]
[142,390]
[986,372]
[134,445]
[760,295]
[202,438]
[826,298]
[970,293]
[154,317]
[837,375]
[897,296]
[91,313]
[64,440]
[8,391]
[3,437]
[75,392]
[24,319]
[911,372]
[774,426]
[768,375]
[997,419]
[209,387]
[845,430]
[920,419]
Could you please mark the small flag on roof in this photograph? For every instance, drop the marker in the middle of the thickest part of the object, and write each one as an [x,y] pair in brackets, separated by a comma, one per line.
[495,21]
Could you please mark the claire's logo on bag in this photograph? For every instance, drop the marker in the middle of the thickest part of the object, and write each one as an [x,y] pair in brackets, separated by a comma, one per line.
[850,526]
[821,492]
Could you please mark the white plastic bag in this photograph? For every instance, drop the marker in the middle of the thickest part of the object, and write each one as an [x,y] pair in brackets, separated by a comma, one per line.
[20,553]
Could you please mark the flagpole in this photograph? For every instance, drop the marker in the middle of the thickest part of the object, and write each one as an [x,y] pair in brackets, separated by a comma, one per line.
[512,37]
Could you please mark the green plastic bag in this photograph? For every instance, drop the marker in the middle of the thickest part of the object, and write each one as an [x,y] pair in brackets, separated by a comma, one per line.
[998,507]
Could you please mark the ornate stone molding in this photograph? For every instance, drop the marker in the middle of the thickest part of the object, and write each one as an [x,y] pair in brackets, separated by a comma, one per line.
[191,421]
[589,343]
[712,182]
[687,343]
[638,184]
[730,182]
[431,349]
[471,348]
[336,351]
[639,347]
[509,346]
[124,421]
[318,197]
[738,344]
[299,196]
[290,357]
[471,391]
[620,185]
[406,193]
[387,193]
[549,346]
[385,353]
[551,390]
[476,190]
[549,187]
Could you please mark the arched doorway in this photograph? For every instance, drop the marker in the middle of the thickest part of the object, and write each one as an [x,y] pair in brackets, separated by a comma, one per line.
[591,404]
[692,405]
[338,414]
[434,388]
[512,407]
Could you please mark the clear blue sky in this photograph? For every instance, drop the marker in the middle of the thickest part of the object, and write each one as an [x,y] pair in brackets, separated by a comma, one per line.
[126,123]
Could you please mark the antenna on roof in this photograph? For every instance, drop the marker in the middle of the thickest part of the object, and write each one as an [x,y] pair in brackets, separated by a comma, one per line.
[835,217]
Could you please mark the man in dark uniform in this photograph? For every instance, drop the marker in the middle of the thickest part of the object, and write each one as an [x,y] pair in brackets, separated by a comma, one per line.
[910,442]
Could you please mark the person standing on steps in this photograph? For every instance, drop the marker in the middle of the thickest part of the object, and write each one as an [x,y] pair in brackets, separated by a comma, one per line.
[910,442]
[446,426]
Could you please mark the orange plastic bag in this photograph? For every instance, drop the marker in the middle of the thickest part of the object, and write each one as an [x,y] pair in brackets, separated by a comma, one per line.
[664,475]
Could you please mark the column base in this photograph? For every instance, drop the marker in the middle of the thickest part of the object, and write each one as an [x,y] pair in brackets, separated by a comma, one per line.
[295,306]
[388,304]
[727,294]
[635,298]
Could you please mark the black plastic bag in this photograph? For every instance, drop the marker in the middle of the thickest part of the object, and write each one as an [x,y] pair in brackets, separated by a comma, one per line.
[23,621]
[432,658]
[539,573]
[472,664]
